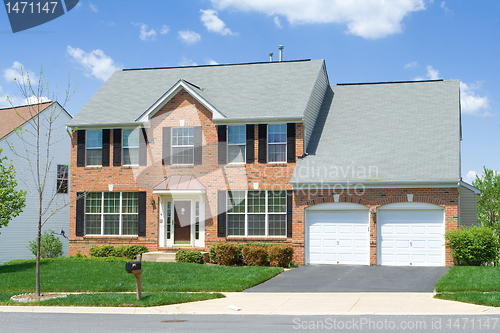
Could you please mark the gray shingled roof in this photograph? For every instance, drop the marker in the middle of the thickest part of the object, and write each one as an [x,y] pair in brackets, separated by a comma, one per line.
[404,131]
[274,89]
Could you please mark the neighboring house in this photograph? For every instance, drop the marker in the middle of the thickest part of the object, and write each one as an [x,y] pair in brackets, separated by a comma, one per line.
[15,237]
[348,174]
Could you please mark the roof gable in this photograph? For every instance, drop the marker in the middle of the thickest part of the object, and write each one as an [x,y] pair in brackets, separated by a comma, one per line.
[12,118]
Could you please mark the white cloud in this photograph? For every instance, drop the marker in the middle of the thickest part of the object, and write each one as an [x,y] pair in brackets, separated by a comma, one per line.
[187,62]
[213,23]
[164,30]
[470,177]
[93,7]
[432,74]
[189,37]
[95,63]
[3,99]
[365,18]
[411,65]
[277,22]
[446,9]
[211,62]
[145,34]
[472,103]
[14,73]
[35,100]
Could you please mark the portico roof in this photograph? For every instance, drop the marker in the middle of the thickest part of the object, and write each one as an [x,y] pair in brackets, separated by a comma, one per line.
[180,183]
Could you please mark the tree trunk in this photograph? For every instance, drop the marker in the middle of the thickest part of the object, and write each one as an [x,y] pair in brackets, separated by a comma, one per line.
[38,241]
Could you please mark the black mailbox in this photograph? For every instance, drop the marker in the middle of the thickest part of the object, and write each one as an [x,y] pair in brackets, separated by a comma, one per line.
[132,266]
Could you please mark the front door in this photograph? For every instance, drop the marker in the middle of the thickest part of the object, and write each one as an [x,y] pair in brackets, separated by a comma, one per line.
[182,222]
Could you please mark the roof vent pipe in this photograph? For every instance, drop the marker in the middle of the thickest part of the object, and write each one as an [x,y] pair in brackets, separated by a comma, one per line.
[281,52]
[270,57]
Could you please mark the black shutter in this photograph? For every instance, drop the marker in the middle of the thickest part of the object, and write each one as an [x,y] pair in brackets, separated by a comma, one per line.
[221,213]
[289,209]
[262,143]
[198,150]
[250,158]
[143,148]
[165,155]
[141,226]
[222,137]
[290,142]
[80,148]
[117,147]
[106,136]
[80,213]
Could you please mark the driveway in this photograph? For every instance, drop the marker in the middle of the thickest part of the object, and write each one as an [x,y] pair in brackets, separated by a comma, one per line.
[343,278]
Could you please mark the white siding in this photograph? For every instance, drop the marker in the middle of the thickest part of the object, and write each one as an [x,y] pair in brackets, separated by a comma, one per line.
[468,207]
[314,104]
[15,237]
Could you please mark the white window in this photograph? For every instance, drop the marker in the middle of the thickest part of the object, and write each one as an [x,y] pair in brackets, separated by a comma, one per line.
[62,178]
[111,213]
[130,146]
[183,145]
[256,213]
[236,144]
[276,143]
[94,147]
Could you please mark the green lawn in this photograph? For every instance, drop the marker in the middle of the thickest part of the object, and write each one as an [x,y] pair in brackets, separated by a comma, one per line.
[470,284]
[74,275]
[116,299]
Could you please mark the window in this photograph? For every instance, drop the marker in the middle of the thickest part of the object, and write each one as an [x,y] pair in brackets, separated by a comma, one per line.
[182,145]
[236,143]
[276,143]
[256,213]
[130,146]
[111,213]
[197,220]
[169,218]
[94,147]
[62,178]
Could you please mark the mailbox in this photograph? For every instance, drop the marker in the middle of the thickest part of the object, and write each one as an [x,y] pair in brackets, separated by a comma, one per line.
[132,266]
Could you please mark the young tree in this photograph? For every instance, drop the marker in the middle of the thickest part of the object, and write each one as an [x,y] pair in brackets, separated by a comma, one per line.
[38,138]
[12,201]
[488,203]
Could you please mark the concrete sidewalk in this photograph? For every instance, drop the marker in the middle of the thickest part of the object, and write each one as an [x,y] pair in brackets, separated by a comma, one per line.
[293,304]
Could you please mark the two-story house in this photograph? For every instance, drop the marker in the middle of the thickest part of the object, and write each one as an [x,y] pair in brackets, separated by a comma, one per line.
[185,157]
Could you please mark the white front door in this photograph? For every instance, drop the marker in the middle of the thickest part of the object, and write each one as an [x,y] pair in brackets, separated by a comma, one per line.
[411,237]
[338,237]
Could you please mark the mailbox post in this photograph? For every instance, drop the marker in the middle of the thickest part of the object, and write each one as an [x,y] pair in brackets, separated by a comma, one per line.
[134,267]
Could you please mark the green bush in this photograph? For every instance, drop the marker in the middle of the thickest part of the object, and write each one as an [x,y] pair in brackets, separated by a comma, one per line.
[254,255]
[475,246]
[50,245]
[101,251]
[190,256]
[129,251]
[280,255]
[211,254]
[226,254]
[239,257]
[78,254]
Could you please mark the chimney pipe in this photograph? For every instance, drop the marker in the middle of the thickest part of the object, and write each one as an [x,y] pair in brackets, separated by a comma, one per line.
[281,52]
[270,57]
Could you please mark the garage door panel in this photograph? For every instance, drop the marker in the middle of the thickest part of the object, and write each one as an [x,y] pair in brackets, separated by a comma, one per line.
[411,237]
[338,237]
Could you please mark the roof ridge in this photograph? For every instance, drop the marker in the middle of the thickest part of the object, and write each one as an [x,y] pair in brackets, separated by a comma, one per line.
[23,106]
[218,65]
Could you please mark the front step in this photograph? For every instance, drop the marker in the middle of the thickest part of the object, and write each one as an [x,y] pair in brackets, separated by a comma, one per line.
[164,256]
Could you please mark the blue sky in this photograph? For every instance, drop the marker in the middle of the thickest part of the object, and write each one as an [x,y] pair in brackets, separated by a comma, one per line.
[361,41]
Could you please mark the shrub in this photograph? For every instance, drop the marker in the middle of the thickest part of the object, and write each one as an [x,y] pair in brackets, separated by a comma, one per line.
[129,251]
[50,245]
[280,255]
[78,254]
[254,255]
[211,254]
[226,253]
[101,251]
[239,257]
[190,256]
[473,246]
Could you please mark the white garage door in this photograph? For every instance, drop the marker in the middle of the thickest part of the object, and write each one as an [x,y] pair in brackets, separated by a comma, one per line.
[338,237]
[411,237]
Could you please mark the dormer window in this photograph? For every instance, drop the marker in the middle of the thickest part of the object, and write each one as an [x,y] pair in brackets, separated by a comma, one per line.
[236,144]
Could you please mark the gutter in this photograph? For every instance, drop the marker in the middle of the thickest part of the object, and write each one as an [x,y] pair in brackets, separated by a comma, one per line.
[109,125]
[259,120]
[375,184]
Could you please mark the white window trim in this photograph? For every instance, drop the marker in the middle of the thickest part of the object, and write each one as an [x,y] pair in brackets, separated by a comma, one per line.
[178,146]
[246,213]
[276,143]
[93,148]
[234,144]
[123,146]
[102,218]
[62,179]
